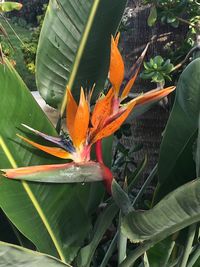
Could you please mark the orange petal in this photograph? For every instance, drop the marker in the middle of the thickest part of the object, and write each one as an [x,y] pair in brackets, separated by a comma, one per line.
[18,172]
[114,125]
[153,95]
[71,109]
[55,151]
[134,72]
[81,121]
[59,173]
[116,72]
[102,110]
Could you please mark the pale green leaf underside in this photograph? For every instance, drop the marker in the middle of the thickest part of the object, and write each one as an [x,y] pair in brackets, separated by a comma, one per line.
[60,173]
[176,211]
[15,256]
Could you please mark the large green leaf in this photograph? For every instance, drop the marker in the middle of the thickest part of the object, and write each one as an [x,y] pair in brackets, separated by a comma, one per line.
[176,164]
[159,255]
[197,152]
[58,173]
[52,216]
[12,255]
[102,224]
[74,46]
[176,211]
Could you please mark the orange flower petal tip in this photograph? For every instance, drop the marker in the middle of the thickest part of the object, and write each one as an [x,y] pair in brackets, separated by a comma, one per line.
[54,151]
[107,178]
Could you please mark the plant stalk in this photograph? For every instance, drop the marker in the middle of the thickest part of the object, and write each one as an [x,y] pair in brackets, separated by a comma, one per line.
[188,247]
[168,254]
[122,243]
[110,251]
[194,257]
[134,255]
[146,183]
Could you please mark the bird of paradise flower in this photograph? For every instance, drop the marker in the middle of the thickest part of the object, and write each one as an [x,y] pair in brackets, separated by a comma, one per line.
[86,128]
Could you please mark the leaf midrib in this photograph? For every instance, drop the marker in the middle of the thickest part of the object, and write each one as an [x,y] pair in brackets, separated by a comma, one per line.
[80,51]
[34,202]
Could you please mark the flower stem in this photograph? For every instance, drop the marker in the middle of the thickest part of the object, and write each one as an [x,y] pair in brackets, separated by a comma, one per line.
[98,150]
[108,176]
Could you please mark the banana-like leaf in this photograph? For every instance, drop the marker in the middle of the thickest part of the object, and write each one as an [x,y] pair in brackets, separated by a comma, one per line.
[159,255]
[58,173]
[102,224]
[10,6]
[12,255]
[121,198]
[176,164]
[197,152]
[176,211]
[74,46]
[52,216]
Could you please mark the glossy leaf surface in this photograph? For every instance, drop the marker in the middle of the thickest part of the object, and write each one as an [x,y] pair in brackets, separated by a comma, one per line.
[46,214]
[176,164]
[74,46]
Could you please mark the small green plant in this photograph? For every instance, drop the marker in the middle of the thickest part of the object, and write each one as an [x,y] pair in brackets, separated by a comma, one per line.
[6,48]
[29,46]
[157,70]
[124,160]
[172,12]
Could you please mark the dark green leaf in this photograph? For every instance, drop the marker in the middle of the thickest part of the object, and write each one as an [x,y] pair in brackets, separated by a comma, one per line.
[160,253]
[171,19]
[176,165]
[175,24]
[46,214]
[102,224]
[121,148]
[74,46]
[197,154]
[136,175]
[188,91]
[121,198]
